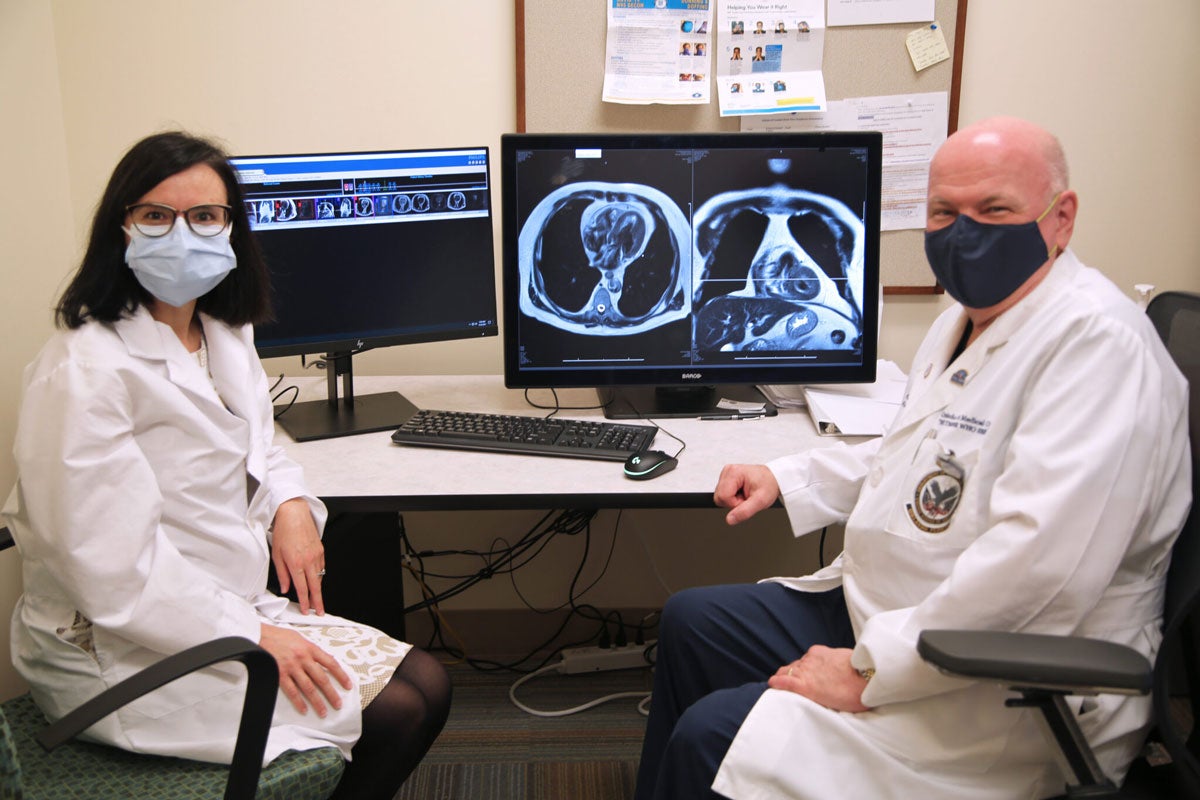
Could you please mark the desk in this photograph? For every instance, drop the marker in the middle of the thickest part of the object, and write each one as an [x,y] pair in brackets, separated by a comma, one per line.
[366,479]
[367,472]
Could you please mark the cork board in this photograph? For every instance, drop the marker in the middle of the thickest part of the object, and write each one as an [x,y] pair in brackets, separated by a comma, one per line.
[560,76]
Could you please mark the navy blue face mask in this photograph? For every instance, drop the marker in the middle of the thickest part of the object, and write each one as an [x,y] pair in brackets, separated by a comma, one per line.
[979,265]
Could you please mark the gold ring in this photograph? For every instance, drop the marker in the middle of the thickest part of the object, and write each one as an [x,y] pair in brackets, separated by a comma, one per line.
[789,672]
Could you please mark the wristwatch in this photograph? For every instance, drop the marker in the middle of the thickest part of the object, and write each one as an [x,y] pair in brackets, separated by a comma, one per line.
[867,674]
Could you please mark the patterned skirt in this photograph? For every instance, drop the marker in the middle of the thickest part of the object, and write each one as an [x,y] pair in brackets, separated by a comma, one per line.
[371,654]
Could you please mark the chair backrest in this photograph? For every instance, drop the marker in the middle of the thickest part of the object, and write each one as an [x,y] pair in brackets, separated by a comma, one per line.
[1176,317]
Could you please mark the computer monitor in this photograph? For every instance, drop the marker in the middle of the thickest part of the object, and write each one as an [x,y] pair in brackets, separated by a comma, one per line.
[369,249]
[674,271]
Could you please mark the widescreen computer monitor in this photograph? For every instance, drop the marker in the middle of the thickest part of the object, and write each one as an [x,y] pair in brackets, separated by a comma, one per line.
[673,271]
[369,250]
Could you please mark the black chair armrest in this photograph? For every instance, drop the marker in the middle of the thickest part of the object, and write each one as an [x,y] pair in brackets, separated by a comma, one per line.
[257,708]
[1059,663]
[6,539]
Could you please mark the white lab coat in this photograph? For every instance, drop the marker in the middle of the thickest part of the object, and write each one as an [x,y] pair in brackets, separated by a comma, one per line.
[132,508]
[1068,419]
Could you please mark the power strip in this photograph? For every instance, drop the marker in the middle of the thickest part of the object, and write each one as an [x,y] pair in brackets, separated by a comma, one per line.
[601,659]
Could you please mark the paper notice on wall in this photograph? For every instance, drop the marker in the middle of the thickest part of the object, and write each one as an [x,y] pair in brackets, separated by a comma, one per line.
[879,12]
[769,56]
[913,127]
[658,51]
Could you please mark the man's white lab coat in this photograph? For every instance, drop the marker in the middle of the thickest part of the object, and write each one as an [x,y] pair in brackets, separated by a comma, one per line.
[142,507]
[1064,476]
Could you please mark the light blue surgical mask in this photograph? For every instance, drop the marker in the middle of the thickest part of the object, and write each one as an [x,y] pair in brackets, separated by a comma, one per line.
[980,264]
[180,266]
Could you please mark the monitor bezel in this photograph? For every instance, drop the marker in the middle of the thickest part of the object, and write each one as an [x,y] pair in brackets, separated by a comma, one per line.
[604,377]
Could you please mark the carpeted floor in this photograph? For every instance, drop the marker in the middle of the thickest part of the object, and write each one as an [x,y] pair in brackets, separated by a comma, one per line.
[492,750]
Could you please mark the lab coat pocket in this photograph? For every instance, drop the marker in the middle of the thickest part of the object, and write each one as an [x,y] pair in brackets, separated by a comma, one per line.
[211,688]
[934,503]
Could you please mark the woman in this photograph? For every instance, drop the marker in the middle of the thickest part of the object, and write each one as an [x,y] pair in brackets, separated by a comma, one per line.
[150,501]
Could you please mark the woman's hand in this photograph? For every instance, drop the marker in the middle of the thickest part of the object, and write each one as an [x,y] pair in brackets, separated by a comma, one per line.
[824,675]
[298,554]
[746,490]
[304,670]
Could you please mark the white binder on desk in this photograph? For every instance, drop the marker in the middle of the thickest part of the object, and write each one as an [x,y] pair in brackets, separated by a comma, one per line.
[852,409]
[837,414]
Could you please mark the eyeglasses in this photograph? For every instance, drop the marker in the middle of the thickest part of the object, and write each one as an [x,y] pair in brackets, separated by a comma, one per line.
[157,219]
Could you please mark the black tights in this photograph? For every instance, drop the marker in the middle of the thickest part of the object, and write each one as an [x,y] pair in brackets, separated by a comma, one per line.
[398,727]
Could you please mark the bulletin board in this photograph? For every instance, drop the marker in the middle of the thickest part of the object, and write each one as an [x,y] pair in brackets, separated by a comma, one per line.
[560,79]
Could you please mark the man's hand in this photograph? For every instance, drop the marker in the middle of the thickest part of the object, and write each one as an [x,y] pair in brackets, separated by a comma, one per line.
[304,670]
[298,554]
[824,675]
[746,489]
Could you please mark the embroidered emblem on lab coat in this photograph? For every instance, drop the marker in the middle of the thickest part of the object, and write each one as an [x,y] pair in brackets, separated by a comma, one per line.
[934,501]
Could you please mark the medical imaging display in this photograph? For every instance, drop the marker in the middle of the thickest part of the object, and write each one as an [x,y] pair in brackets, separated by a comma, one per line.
[371,249]
[602,259]
[710,257]
[366,250]
[777,267]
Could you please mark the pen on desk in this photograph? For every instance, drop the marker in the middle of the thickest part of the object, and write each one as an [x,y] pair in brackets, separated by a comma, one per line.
[735,415]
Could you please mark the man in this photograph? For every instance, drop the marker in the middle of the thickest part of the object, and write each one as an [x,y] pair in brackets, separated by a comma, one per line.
[1034,480]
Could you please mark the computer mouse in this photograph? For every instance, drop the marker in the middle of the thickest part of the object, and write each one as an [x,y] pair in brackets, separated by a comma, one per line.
[649,464]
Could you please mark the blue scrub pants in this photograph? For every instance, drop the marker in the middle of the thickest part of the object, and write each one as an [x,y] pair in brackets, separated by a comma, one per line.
[717,646]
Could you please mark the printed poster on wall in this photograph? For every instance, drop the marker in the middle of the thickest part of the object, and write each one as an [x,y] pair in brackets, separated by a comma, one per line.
[658,51]
[769,59]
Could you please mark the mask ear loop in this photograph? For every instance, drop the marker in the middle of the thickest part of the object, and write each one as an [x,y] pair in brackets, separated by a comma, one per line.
[1046,213]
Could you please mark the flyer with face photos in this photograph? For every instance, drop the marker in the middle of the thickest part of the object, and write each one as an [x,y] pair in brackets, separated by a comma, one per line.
[658,51]
[769,59]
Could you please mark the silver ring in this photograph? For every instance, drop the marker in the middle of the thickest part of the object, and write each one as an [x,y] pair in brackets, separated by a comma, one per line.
[789,672]
[320,573]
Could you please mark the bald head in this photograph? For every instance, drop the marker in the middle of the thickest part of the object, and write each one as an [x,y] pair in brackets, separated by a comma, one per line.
[1007,144]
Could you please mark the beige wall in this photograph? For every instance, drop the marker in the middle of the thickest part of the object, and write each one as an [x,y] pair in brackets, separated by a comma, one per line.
[37,229]
[80,81]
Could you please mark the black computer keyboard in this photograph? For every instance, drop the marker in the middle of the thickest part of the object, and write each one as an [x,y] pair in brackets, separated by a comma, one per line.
[553,436]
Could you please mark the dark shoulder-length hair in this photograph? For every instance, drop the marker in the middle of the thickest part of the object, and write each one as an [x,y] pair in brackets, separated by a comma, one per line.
[105,289]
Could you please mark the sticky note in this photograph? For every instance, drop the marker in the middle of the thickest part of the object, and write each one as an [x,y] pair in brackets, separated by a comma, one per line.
[927,46]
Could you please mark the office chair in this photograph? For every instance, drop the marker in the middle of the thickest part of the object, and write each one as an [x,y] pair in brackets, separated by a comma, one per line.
[1044,669]
[38,762]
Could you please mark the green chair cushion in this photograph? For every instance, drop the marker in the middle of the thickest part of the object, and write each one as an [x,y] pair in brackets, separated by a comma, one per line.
[85,771]
[10,765]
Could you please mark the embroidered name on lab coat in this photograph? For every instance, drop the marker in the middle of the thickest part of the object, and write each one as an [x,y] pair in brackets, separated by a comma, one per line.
[964,422]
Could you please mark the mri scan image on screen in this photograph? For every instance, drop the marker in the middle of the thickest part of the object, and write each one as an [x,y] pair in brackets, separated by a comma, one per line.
[777,268]
[605,259]
[708,258]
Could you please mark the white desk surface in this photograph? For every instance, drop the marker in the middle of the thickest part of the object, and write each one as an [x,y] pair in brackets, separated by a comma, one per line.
[369,472]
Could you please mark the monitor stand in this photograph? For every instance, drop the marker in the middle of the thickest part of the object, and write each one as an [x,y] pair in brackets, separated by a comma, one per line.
[325,419]
[644,402]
